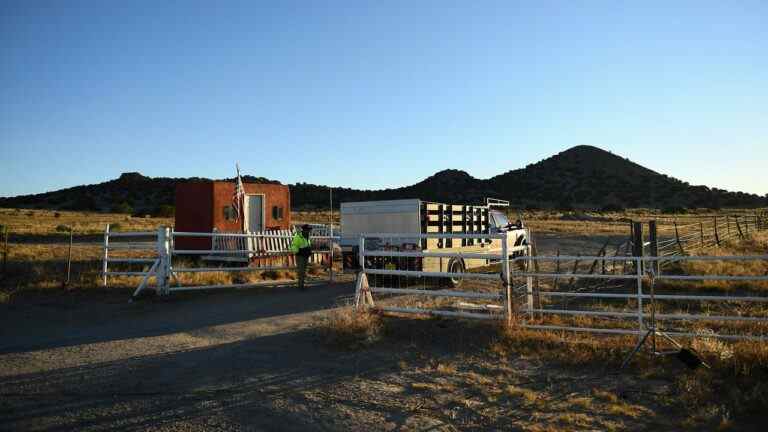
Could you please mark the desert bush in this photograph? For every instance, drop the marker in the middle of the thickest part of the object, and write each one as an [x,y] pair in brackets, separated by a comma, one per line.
[123,207]
[62,228]
[612,207]
[350,329]
[674,210]
[165,211]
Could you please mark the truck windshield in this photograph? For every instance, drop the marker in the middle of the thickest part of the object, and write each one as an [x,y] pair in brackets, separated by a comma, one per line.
[500,219]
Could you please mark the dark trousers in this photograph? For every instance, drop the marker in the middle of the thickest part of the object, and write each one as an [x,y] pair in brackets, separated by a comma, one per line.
[301,269]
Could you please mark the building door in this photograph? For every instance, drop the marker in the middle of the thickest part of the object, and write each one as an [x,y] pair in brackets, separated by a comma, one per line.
[254,213]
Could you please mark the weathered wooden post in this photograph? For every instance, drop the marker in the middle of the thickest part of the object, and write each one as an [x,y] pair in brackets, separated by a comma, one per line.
[717,235]
[701,232]
[677,238]
[652,236]
[746,225]
[738,227]
[637,243]
[728,226]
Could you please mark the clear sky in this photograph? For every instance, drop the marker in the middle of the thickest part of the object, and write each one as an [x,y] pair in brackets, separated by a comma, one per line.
[378,94]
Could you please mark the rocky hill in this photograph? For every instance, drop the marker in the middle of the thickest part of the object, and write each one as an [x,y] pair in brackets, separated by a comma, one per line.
[580,177]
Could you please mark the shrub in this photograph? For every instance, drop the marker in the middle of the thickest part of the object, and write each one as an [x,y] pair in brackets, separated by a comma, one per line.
[612,207]
[114,227]
[57,215]
[165,210]
[349,329]
[674,210]
[62,228]
[123,207]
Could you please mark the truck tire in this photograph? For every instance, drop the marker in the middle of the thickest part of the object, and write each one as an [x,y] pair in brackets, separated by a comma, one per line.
[455,266]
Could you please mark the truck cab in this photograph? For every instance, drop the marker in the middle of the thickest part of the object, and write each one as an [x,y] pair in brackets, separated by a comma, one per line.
[517,234]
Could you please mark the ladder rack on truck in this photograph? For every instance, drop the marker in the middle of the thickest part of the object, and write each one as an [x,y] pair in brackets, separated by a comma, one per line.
[413,216]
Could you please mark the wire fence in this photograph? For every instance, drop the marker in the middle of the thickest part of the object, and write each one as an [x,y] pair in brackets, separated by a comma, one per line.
[681,238]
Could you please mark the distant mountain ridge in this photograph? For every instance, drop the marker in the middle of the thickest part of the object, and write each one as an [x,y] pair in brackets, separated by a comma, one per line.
[580,177]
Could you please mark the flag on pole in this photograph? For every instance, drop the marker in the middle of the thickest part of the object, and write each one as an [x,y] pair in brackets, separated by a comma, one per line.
[239,195]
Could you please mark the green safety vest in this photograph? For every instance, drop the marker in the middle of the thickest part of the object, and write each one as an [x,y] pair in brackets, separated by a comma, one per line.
[299,242]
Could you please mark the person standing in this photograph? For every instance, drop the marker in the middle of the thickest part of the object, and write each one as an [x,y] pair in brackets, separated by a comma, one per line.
[302,249]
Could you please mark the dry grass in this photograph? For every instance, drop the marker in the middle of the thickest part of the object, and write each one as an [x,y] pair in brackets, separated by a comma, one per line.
[348,329]
[22,221]
[730,395]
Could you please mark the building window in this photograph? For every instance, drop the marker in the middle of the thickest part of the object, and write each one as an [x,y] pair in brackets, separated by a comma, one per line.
[277,213]
[229,213]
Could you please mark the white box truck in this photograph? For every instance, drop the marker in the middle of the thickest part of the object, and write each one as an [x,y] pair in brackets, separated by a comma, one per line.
[421,217]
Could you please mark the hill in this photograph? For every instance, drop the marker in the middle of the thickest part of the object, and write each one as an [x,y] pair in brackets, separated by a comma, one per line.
[580,177]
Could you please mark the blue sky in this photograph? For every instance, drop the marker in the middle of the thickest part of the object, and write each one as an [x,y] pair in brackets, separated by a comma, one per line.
[378,94]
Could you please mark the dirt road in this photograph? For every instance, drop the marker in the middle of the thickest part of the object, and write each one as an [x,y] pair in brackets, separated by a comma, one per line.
[229,359]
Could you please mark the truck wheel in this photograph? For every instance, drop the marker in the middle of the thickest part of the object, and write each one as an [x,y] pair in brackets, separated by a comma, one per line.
[455,266]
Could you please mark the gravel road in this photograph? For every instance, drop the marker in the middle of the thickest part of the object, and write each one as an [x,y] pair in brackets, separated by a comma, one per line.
[230,360]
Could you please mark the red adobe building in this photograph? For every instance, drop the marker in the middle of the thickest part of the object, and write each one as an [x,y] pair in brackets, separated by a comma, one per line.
[205,205]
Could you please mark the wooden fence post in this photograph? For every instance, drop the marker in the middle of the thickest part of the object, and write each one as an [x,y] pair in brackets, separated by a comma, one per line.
[653,238]
[738,227]
[701,231]
[637,242]
[746,225]
[728,226]
[677,237]
[717,236]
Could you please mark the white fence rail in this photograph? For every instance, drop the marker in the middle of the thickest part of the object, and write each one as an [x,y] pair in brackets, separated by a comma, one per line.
[624,307]
[263,251]
[387,247]
[644,303]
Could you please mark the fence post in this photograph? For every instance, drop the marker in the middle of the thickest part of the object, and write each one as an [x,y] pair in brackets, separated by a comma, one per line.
[163,268]
[505,276]
[639,273]
[5,248]
[728,226]
[69,258]
[104,267]
[701,233]
[652,237]
[330,253]
[746,224]
[677,237]
[556,282]
[717,235]
[738,227]
[637,240]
